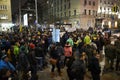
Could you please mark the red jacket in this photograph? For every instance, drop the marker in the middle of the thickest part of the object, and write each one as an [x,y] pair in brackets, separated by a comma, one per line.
[68,51]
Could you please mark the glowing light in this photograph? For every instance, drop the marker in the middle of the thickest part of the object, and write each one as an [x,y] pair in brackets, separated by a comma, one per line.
[109,24]
[115,24]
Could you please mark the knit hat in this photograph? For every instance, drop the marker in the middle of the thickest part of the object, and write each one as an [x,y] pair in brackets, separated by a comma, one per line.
[32,46]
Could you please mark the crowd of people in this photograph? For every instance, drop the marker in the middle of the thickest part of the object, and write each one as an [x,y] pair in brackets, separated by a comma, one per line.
[25,52]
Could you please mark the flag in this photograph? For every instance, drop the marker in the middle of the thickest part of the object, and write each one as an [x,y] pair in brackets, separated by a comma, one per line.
[20,30]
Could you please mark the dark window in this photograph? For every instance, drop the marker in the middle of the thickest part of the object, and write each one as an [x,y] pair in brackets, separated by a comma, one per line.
[65,1]
[93,3]
[69,5]
[104,2]
[85,2]
[61,1]
[89,12]
[112,3]
[61,8]
[89,2]
[96,13]
[104,8]
[93,12]
[64,7]
[100,1]
[69,13]
[85,12]
[65,14]
[74,12]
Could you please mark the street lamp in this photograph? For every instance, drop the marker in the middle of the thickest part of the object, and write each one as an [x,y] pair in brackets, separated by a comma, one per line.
[19,12]
[36,15]
[36,11]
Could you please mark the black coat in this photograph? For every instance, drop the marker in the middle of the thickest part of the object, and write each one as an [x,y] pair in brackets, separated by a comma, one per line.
[78,69]
[94,66]
[110,51]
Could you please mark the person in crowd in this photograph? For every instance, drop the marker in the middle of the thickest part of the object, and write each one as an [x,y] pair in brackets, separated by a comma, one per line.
[54,56]
[39,54]
[33,64]
[87,39]
[70,40]
[67,52]
[4,74]
[117,45]
[78,68]
[5,63]
[107,40]
[94,67]
[16,50]
[11,56]
[110,55]
[60,61]
[68,64]
[65,38]
[23,64]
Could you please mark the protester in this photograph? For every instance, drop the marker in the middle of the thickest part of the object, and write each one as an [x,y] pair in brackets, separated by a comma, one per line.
[5,63]
[94,67]
[78,68]
[67,51]
[4,74]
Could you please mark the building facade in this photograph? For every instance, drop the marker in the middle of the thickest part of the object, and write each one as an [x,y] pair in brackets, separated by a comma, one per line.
[106,14]
[5,15]
[82,13]
[5,11]
[78,13]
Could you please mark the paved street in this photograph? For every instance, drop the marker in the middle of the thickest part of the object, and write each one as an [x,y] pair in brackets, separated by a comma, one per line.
[45,74]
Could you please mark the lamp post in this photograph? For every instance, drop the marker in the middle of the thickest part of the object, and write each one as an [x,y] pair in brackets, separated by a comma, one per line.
[36,11]
[19,12]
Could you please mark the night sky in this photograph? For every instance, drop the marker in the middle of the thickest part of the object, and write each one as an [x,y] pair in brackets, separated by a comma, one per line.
[15,5]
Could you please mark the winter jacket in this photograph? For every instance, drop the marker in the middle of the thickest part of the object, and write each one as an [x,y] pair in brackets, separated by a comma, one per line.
[110,51]
[70,41]
[78,69]
[87,39]
[16,50]
[6,65]
[117,45]
[94,66]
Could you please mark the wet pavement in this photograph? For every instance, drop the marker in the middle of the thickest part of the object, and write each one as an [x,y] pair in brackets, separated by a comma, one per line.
[46,74]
